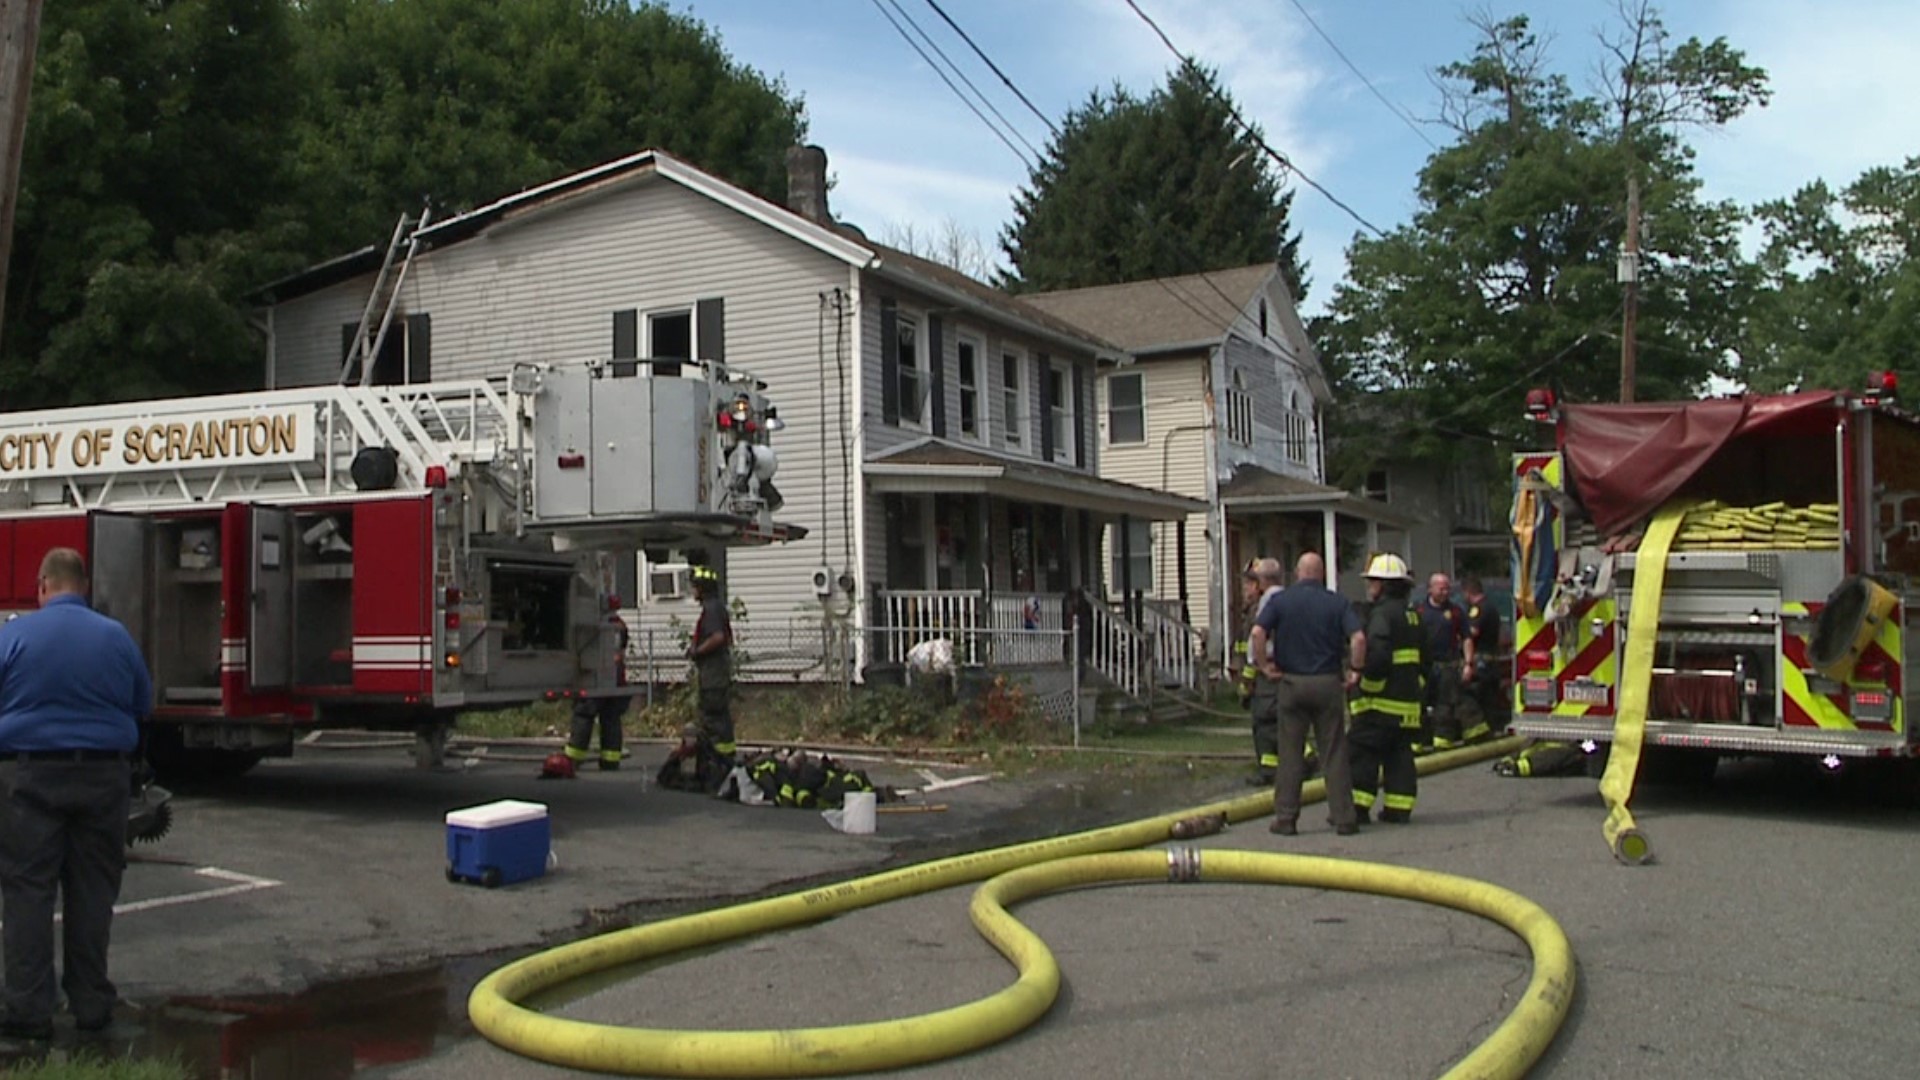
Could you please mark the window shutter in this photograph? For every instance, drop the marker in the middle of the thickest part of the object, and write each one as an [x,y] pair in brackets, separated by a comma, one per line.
[626,334]
[889,364]
[419,348]
[1080,409]
[710,330]
[1044,397]
[937,377]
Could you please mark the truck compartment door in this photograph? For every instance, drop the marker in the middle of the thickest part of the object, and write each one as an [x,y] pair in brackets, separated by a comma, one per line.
[121,566]
[271,608]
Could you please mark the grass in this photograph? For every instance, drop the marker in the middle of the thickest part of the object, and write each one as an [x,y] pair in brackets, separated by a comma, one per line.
[91,1068]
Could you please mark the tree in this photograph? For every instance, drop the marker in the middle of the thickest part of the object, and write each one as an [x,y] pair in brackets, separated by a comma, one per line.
[181,152]
[460,102]
[1506,274]
[1842,284]
[155,148]
[949,243]
[1131,189]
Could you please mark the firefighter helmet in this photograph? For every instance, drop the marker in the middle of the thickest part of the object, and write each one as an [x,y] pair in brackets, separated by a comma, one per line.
[557,766]
[1388,567]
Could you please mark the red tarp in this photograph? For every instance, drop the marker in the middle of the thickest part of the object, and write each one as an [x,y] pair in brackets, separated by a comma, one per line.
[1626,460]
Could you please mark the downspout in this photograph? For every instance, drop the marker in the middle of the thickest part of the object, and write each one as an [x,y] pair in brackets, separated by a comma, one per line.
[856,359]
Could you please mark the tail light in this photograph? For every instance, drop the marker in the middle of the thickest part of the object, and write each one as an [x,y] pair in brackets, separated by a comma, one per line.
[1536,660]
[1872,671]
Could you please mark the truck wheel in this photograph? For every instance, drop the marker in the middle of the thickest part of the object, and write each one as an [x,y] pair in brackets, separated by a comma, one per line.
[490,877]
[177,763]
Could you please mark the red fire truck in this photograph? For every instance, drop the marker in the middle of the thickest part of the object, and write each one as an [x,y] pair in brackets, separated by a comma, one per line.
[381,556]
[1789,607]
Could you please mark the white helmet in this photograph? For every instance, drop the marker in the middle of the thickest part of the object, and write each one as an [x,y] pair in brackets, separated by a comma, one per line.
[1388,568]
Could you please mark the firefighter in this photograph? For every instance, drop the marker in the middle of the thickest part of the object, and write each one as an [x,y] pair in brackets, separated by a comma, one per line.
[1386,710]
[1450,651]
[608,712]
[1483,678]
[1266,738]
[711,651]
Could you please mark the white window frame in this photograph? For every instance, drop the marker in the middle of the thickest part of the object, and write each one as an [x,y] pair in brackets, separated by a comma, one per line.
[693,329]
[1297,430]
[1014,398]
[1239,410]
[1060,411]
[1141,378]
[982,403]
[913,414]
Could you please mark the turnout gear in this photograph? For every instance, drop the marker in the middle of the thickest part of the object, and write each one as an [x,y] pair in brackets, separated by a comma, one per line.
[1386,711]
[1544,758]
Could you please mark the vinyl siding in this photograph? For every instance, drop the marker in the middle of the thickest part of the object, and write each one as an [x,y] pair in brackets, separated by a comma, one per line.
[546,288]
[1174,458]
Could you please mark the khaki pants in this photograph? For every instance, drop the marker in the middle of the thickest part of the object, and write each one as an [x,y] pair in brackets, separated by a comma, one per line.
[1300,703]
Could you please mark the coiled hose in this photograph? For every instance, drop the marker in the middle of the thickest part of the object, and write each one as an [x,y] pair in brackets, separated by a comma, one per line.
[1017,872]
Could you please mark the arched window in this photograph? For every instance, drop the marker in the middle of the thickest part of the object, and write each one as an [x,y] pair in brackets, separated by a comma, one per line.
[1239,410]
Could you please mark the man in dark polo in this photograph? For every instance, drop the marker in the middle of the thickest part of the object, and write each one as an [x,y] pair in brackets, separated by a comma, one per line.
[73,687]
[1315,636]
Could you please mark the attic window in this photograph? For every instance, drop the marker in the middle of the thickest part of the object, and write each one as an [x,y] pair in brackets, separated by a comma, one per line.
[1239,411]
[1263,317]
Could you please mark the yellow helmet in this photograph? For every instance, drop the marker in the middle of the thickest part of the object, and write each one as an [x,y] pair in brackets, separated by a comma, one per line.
[707,574]
[1388,567]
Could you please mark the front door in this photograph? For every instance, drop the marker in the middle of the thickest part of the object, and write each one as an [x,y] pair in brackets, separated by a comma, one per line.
[270,605]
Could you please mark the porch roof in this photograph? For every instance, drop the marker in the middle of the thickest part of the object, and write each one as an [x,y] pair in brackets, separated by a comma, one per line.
[1253,490]
[941,467]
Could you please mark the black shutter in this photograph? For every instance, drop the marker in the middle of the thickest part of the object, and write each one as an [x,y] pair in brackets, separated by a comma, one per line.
[1045,383]
[346,349]
[1080,405]
[626,343]
[889,363]
[710,330]
[936,362]
[419,348]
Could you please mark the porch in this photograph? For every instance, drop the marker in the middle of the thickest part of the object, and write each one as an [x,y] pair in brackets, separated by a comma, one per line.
[1002,556]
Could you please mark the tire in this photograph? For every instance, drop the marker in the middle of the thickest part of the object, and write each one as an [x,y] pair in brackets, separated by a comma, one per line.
[490,877]
[453,876]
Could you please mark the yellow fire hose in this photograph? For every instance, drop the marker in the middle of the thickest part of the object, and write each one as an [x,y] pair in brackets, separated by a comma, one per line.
[1627,842]
[1018,872]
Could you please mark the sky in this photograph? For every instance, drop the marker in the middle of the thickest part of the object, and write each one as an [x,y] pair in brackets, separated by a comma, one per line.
[905,152]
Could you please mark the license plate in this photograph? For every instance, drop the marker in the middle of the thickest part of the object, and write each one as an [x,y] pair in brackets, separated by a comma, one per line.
[1537,693]
[1586,693]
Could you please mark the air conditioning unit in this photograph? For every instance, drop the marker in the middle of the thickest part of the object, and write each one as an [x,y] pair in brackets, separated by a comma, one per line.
[668,581]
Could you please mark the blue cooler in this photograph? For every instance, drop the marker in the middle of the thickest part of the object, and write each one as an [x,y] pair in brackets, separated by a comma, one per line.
[498,843]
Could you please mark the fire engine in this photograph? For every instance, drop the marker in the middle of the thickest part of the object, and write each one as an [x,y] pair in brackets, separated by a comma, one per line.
[382,556]
[1788,613]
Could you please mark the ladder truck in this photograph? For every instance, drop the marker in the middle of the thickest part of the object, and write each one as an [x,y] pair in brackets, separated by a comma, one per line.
[382,557]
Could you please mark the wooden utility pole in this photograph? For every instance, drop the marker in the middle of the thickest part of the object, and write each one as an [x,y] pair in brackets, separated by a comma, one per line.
[19,36]
[1629,275]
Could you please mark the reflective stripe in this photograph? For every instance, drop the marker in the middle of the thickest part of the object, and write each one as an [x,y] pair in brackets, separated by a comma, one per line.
[1406,656]
[1399,802]
[1362,799]
[1404,710]
[1477,731]
[576,753]
[723,747]
[1372,686]
[1269,761]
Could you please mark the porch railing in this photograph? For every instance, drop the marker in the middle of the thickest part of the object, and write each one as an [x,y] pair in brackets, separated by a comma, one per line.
[1117,650]
[1176,648]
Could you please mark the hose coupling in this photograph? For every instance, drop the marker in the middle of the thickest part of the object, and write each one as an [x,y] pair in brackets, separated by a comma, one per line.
[1183,864]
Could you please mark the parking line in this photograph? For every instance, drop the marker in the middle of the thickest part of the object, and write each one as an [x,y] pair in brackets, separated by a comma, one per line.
[242,883]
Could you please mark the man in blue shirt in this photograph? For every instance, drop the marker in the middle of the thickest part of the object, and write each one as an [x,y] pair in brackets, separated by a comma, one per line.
[1317,646]
[73,687]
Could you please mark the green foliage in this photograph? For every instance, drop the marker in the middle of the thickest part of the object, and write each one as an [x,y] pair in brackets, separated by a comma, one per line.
[180,153]
[1843,279]
[83,1067]
[1505,277]
[1131,189]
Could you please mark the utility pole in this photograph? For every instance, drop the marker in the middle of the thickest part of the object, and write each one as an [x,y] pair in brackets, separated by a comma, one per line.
[19,36]
[1629,275]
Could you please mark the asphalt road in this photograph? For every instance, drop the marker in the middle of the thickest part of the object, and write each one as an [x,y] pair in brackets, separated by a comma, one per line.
[1772,938]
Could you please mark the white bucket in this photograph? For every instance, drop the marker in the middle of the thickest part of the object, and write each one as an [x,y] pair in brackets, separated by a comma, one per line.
[858,813]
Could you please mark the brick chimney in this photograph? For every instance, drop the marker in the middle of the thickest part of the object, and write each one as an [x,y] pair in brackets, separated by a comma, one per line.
[807,183]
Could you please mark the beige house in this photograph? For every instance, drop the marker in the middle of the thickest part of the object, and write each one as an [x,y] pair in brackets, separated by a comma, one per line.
[1223,403]
[939,445]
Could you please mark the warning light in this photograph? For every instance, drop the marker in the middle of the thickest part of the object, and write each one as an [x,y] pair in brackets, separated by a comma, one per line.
[1540,403]
[573,461]
[453,659]
[725,420]
[436,476]
[1882,384]
[453,595]
[453,620]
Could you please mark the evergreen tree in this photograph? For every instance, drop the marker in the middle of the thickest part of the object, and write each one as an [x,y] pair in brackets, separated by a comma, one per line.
[1132,188]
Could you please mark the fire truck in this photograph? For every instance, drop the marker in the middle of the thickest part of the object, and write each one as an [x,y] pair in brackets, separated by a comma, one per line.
[1789,609]
[382,556]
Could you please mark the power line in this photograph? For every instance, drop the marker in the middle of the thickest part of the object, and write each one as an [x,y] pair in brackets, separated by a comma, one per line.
[964,100]
[928,38]
[1405,118]
[1031,107]
[1279,158]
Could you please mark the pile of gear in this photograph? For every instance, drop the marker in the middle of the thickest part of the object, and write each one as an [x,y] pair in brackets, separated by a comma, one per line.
[796,778]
